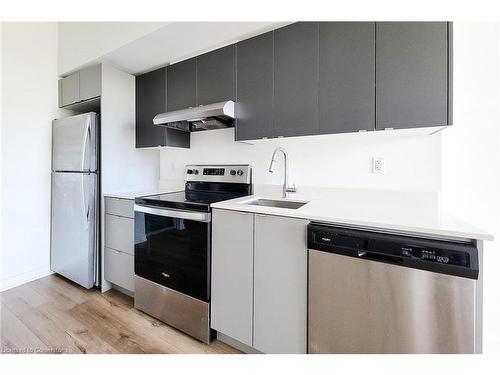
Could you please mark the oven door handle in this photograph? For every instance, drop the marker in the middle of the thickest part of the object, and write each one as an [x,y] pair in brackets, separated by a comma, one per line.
[204,217]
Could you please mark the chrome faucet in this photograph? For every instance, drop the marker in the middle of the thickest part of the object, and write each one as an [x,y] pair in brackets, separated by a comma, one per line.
[286,189]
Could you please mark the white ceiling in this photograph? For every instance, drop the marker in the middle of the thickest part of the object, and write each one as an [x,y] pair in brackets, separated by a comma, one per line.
[180,40]
[83,43]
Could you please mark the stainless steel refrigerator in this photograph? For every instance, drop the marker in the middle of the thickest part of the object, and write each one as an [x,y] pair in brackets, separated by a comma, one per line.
[75,199]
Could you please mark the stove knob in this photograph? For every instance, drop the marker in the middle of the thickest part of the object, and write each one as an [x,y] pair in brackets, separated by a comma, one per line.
[195,171]
[189,171]
[232,172]
[240,172]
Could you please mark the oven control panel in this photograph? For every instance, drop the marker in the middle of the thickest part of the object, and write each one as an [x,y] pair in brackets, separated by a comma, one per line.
[214,171]
[234,173]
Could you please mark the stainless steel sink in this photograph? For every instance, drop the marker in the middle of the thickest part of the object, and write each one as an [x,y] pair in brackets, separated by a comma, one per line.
[277,203]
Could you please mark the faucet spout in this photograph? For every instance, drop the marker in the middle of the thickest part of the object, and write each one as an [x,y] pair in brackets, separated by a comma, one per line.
[286,188]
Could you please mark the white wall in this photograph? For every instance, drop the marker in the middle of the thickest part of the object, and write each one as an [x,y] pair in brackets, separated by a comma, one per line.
[471,153]
[123,167]
[29,103]
[83,42]
[412,162]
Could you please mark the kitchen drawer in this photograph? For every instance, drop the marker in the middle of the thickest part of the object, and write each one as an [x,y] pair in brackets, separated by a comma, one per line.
[120,207]
[119,268]
[119,233]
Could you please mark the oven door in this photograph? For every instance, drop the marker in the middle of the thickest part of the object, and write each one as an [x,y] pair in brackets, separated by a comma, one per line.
[172,248]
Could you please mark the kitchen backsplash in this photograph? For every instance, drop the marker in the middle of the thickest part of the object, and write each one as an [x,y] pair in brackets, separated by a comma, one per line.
[412,159]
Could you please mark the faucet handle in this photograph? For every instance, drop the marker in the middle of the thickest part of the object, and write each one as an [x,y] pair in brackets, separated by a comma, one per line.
[291,189]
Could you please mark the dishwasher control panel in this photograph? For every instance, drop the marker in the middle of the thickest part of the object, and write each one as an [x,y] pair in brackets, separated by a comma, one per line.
[447,257]
[436,255]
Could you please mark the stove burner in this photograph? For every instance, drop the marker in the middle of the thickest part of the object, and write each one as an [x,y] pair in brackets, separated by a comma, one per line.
[213,184]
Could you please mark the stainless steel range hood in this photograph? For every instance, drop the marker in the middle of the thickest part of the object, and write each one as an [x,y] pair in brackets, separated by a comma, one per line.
[204,117]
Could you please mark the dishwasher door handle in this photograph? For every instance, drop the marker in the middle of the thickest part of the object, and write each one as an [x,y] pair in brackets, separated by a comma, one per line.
[368,255]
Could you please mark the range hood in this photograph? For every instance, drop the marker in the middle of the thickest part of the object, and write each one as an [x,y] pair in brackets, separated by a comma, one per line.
[204,117]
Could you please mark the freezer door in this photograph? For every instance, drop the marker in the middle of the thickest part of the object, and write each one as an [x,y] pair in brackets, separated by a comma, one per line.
[366,307]
[74,228]
[74,143]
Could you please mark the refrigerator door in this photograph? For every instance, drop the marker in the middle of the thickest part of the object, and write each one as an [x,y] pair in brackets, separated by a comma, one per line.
[74,229]
[74,143]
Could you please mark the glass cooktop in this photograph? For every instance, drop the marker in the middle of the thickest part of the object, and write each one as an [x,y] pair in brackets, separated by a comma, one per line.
[188,200]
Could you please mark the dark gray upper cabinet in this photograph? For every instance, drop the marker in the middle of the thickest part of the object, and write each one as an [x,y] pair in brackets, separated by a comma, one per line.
[346,77]
[215,76]
[181,85]
[150,99]
[412,74]
[296,52]
[254,88]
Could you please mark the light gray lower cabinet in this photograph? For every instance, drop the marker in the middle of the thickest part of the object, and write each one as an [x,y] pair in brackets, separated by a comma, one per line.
[119,242]
[120,207]
[119,233]
[119,268]
[232,274]
[280,285]
[259,280]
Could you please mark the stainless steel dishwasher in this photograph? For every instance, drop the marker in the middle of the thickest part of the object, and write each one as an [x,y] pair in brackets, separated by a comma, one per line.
[382,293]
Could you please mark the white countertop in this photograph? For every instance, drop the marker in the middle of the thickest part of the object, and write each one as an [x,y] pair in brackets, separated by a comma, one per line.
[412,219]
[138,193]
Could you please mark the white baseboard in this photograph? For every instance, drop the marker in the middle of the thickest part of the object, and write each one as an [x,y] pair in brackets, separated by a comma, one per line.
[23,278]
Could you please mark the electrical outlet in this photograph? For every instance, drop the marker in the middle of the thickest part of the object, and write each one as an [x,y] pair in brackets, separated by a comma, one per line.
[378,165]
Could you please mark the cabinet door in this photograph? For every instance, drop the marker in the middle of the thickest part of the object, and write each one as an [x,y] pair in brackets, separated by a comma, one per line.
[254,89]
[215,76]
[119,268]
[296,79]
[90,82]
[181,85]
[411,74]
[280,285]
[232,274]
[70,89]
[150,100]
[119,207]
[346,77]
[119,233]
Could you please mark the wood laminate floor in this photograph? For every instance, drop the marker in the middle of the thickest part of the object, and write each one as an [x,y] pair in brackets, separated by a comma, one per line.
[54,315]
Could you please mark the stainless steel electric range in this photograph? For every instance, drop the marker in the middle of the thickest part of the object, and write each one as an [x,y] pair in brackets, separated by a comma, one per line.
[173,246]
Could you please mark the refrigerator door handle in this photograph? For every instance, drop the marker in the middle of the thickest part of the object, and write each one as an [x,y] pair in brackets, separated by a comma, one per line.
[85,212]
[86,139]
